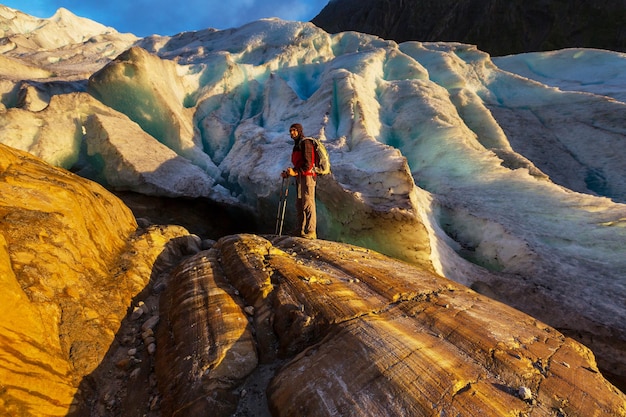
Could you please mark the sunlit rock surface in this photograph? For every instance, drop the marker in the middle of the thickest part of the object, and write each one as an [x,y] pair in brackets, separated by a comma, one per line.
[358,334]
[70,263]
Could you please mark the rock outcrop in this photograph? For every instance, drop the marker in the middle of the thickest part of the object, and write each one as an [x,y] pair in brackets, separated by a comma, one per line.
[70,264]
[358,334]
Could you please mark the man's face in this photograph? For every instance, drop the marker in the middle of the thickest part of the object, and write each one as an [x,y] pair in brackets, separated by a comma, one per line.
[293,132]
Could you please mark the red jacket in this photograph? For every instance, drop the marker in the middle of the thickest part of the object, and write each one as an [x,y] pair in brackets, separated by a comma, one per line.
[303,157]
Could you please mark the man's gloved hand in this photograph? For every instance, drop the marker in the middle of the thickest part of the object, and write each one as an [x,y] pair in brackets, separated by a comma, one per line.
[290,172]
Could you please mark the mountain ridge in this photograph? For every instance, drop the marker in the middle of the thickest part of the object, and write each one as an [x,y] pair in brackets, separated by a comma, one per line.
[498,27]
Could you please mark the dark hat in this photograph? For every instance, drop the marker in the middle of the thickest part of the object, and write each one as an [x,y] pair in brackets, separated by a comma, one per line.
[298,127]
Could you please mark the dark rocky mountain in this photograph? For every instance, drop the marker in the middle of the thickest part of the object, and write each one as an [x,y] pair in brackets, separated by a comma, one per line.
[499,27]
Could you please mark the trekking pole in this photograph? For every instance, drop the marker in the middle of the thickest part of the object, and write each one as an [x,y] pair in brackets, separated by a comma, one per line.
[282,204]
[282,216]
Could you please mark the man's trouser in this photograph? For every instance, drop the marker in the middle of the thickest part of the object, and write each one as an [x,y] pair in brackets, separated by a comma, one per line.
[305,204]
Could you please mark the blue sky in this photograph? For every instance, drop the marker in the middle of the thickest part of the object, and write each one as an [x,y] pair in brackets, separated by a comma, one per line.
[167,17]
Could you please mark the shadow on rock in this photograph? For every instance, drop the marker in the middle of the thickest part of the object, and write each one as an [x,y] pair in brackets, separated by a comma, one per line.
[124,383]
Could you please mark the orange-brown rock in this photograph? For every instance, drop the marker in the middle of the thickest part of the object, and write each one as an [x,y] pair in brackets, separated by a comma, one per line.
[70,264]
[359,334]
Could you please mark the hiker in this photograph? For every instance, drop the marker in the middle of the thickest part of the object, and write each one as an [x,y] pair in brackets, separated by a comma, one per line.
[303,160]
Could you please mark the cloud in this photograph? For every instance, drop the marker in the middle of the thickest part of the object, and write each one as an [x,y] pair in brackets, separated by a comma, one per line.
[166,17]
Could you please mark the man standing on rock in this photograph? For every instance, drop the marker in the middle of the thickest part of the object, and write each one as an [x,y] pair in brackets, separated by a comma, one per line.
[303,160]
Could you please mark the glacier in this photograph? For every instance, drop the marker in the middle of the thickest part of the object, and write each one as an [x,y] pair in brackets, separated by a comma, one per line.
[504,174]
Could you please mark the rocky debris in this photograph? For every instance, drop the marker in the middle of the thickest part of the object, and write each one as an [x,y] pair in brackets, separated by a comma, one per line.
[350,328]
[525,393]
[147,334]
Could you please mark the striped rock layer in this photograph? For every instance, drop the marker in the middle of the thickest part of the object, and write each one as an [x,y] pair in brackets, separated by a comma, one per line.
[358,334]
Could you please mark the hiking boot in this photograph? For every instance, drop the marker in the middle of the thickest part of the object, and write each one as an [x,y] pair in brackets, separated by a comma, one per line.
[310,235]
